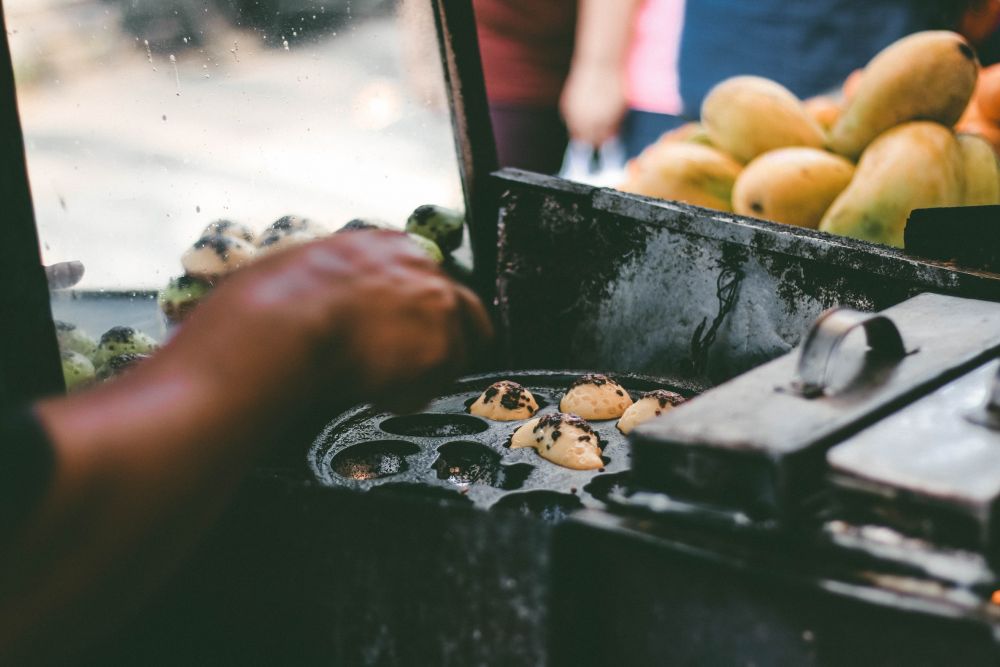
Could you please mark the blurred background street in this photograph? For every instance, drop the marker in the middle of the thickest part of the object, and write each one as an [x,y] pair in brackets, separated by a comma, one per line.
[145,120]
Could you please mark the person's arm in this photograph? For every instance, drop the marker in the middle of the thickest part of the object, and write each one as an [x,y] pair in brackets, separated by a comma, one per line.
[593,100]
[145,463]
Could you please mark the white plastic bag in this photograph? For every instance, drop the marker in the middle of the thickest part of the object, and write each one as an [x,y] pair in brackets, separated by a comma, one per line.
[602,167]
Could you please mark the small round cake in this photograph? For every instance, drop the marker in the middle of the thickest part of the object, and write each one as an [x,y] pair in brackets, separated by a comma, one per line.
[441,225]
[429,247]
[180,296]
[288,231]
[566,440]
[230,228]
[504,402]
[651,405]
[596,397]
[273,241]
[71,338]
[122,340]
[359,225]
[78,371]
[212,257]
[118,364]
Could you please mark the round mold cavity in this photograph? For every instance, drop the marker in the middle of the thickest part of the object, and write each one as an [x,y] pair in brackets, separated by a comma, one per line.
[545,505]
[432,425]
[373,460]
[603,486]
[467,463]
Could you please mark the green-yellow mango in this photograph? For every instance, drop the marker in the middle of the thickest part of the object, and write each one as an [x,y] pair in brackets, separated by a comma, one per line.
[794,186]
[925,76]
[914,165]
[982,171]
[747,116]
[686,172]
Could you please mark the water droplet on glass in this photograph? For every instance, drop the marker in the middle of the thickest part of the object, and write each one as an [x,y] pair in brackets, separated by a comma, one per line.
[149,53]
[197,209]
[284,43]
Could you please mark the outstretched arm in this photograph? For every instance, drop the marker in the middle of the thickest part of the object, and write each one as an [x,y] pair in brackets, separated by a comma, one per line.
[144,464]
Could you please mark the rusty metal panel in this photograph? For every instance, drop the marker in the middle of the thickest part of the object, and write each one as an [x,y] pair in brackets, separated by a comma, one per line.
[596,278]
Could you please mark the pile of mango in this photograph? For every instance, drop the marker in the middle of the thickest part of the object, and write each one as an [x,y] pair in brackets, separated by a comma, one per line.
[855,167]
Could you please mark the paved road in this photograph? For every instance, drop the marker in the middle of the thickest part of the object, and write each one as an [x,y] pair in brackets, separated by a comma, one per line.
[132,152]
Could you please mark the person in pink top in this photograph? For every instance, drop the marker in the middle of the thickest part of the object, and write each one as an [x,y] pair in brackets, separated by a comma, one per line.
[623,79]
[652,84]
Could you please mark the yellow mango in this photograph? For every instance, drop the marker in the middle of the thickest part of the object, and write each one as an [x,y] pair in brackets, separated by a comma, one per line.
[686,172]
[691,132]
[794,186]
[746,116]
[914,165]
[925,76]
[982,171]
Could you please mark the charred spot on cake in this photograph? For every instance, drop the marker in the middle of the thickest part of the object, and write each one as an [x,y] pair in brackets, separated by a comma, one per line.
[595,379]
[269,239]
[219,244]
[490,393]
[665,397]
[619,392]
[286,223]
[557,419]
[358,225]
[423,213]
[511,399]
[118,335]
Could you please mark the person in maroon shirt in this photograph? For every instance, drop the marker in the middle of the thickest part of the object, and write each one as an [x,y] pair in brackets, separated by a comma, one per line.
[554,69]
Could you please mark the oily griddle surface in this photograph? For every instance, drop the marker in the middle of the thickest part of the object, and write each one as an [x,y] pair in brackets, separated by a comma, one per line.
[444,452]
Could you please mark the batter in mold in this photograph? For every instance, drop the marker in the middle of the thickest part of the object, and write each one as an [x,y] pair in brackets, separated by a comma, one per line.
[596,397]
[505,401]
[566,440]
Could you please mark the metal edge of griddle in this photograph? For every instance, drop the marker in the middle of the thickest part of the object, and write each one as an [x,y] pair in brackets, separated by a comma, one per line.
[872,502]
[809,565]
[787,240]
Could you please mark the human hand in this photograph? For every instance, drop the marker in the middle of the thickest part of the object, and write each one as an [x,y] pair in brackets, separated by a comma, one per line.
[593,102]
[364,316]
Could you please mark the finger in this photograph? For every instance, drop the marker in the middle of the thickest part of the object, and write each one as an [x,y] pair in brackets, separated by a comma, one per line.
[478,327]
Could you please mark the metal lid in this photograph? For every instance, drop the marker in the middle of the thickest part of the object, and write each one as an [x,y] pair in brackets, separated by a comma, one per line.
[933,468]
[757,443]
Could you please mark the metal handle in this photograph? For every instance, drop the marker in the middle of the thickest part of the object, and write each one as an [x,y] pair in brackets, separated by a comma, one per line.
[989,414]
[825,337]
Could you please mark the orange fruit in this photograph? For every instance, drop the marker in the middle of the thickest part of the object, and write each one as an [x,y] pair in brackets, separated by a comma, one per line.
[988,93]
[984,128]
[851,84]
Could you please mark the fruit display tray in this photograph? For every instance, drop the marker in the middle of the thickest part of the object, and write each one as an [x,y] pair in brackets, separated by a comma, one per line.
[447,453]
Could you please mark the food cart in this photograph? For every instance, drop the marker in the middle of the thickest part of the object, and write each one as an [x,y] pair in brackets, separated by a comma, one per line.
[721,537]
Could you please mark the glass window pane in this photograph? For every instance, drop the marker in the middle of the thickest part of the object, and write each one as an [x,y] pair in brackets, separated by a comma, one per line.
[145,120]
